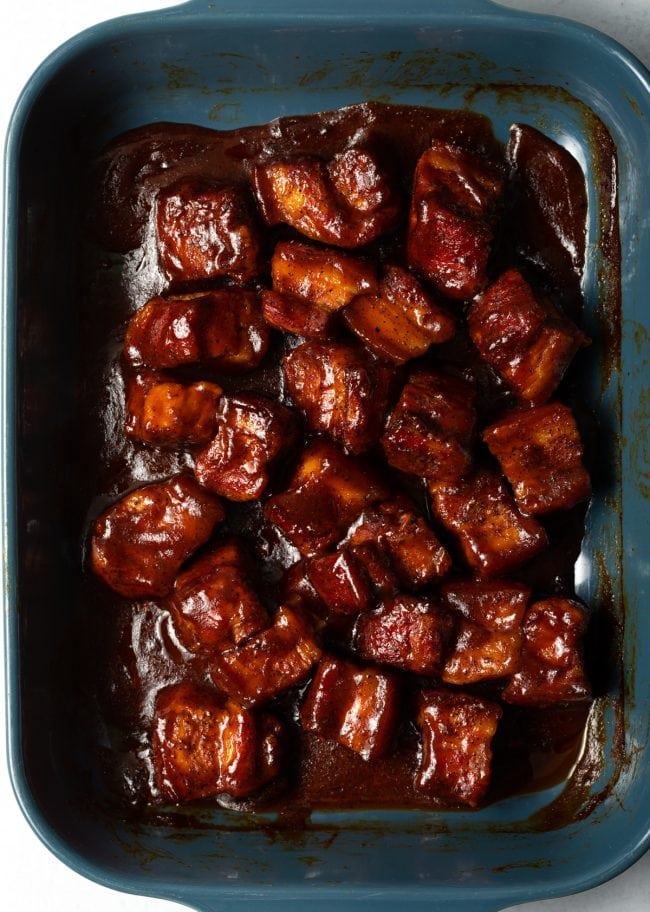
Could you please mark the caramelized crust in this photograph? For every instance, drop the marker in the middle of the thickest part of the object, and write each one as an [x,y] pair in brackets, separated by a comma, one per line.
[328,492]
[347,202]
[252,432]
[325,278]
[140,542]
[222,328]
[407,632]
[292,314]
[494,536]
[341,389]
[355,706]
[540,452]
[213,604]
[524,339]
[341,582]
[457,731]
[204,231]
[268,663]
[204,746]
[551,668]
[455,198]
[163,412]
[431,429]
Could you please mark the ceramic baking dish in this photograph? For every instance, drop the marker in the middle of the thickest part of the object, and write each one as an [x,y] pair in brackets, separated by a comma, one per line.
[229,64]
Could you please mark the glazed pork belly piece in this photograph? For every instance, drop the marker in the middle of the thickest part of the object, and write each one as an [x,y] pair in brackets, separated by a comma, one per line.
[488,615]
[526,340]
[408,632]
[358,707]
[493,535]
[540,452]
[341,582]
[347,201]
[203,745]
[342,390]
[224,329]
[394,532]
[430,430]
[213,604]
[140,542]
[400,320]
[326,278]
[252,431]
[551,669]
[457,731]
[269,662]
[164,412]
[328,492]
[456,197]
[204,231]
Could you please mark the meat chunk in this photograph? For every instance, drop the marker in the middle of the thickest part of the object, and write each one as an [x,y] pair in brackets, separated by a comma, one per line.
[457,731]
[355,706]
[326,278]
[213,605]
[222,328]
[328,492]
[204,231]
[140,542]
[296,315]
[268,663]
[430,430]
[408,632]
[493,535]
[489,614]
[551,668]
[341,389]
[203,745]
[341,582]
[455,199]
[522,337]
[412,549]
[540,452]
[163,412]
[348,201]
[252,432]
[400,320]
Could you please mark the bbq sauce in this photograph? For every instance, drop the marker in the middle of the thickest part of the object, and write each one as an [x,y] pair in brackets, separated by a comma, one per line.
[132,648]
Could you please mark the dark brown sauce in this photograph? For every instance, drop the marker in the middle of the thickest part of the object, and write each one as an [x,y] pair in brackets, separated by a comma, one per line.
[130,647]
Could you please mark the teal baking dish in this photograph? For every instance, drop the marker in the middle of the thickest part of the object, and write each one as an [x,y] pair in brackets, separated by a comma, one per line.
[229,64]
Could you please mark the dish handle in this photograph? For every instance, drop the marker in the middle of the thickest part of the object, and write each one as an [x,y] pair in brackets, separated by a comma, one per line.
[301,9]
[378,903]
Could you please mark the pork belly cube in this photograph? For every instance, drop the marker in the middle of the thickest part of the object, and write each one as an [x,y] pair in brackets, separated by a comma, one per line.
[341,582]
[551,668]
[213,605]
[523,338]
[140,542]
[328,492]
[488,631]
[455,199]
[493,535]
[292,314]
[326,278]
[268,663]
[355,706]
[341,390]
[408,632]
[163,412]
[415,554]
[400,320]
[204,231]
[457,731]
[252,432]
[203,745]
[540,452]
[222,328]
[348,201]
[376,562]
[430,430]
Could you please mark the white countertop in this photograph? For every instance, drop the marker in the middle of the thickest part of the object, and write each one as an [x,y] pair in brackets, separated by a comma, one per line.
[32,879]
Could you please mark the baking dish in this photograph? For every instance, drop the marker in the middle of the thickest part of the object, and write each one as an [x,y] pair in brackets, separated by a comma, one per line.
[249,63]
